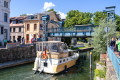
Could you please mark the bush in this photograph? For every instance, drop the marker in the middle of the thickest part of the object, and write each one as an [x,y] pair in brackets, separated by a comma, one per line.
[100,73]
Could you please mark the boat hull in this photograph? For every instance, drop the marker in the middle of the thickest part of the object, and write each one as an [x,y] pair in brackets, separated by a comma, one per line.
[61,67]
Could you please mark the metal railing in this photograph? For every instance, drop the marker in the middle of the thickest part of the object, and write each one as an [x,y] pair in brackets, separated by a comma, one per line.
[115,61]
[69,29]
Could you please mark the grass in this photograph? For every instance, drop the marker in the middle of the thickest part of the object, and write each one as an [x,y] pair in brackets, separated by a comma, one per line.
[85,46]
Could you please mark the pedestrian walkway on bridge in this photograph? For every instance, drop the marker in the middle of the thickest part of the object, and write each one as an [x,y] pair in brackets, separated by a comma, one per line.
[76,31]
[114,58]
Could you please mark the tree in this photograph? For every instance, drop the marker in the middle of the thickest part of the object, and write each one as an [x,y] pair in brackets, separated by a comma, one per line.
[99,36]
[23,15]
[74,17]
[117,20]
[52,10]
[99,16]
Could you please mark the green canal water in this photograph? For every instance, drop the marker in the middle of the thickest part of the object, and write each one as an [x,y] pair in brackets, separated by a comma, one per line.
[24,72]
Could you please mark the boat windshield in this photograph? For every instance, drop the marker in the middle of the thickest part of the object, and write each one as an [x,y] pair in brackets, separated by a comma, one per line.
[52,47]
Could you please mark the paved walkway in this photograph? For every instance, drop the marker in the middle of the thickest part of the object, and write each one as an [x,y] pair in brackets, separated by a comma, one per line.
[117,54]
[110,71]
[3,47]
[15,63]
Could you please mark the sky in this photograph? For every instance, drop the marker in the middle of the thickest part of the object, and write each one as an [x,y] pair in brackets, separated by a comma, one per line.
[18,7]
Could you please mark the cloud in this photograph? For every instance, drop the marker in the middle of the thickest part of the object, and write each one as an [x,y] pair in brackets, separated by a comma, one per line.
[62,15]
[48,5]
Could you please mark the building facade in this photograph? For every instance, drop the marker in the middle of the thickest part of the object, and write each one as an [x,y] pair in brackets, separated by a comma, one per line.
[33,26]
[16,28]
[4,21]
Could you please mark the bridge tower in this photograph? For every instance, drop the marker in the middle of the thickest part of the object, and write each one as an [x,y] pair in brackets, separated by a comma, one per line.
[45,20]
[110,13]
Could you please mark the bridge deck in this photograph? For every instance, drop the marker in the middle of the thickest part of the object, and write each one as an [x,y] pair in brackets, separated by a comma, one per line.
[117,54]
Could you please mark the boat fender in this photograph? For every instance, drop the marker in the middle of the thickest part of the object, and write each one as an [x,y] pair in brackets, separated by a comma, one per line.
[44,56]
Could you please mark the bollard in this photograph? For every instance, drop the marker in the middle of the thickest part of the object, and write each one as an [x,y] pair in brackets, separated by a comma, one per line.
[90,60]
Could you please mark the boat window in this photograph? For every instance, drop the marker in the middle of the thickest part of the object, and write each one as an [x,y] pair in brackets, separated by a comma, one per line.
[45,64]
[54,47]
[40,46]
[64,60]
[60,61]
[37,47]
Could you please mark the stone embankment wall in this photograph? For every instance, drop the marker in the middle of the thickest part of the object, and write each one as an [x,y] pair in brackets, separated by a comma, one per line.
[18,53]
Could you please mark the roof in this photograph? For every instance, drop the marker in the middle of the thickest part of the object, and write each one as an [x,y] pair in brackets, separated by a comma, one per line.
[45,13]
[110,7]
[18,18]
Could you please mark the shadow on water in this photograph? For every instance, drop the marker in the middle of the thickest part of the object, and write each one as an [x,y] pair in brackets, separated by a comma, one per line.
[81,71]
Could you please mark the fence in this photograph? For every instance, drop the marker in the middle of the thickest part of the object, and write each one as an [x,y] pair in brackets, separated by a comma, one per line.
[115,61]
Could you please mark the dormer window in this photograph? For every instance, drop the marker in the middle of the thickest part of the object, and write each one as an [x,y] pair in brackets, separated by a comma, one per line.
[6,4]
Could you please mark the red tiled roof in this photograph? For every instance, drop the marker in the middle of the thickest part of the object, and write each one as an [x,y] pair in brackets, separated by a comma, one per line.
[18,18]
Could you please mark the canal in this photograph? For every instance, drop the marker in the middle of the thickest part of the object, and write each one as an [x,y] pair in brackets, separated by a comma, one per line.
[24,72]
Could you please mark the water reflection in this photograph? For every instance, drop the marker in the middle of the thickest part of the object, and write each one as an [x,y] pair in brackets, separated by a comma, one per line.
[81,71]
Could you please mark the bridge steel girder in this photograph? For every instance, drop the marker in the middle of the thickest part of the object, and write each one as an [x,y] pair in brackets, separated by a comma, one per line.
[70,34]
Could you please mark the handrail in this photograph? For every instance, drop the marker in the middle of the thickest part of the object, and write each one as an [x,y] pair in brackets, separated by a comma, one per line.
[115,61]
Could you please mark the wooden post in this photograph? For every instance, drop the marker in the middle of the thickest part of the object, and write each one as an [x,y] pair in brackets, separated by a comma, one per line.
[90,60]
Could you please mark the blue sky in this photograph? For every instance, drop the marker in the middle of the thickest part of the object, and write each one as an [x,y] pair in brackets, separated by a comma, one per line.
[61,6]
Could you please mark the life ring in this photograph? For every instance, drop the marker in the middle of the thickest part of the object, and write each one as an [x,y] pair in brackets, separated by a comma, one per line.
[44,56]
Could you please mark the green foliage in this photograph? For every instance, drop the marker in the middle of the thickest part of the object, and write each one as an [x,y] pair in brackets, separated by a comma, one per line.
[117,34]
[117,20]
[52,10]
[100,73]
[74,17]
[99,16]
[23,15]
[99,36]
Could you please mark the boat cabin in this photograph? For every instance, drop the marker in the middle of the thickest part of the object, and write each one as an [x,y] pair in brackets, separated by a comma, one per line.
[54,49]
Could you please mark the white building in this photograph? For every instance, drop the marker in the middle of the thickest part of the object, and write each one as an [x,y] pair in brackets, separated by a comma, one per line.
[4,20]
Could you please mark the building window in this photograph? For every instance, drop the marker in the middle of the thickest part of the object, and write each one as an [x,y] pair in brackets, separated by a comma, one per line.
[34,35]
[35,27]
[10,29]
[2,30]
[28,27]
[14,22]
[20,21]
[13,29]
[6,4]
[14,38]
[5,17]
[27,38]
[19,29]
